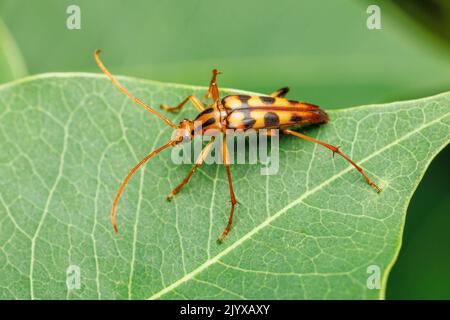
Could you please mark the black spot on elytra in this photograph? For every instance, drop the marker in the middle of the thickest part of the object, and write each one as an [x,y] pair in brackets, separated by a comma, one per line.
[271,119]
[241,97]
[244,98]
[296,118]
[267,100]
[247,121]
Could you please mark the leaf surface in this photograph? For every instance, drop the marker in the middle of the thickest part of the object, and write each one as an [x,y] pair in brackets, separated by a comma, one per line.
[310,231]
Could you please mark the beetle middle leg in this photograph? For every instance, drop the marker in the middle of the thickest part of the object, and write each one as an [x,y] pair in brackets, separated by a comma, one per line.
[198,163]
[335,150]
[226,161]
[194,101]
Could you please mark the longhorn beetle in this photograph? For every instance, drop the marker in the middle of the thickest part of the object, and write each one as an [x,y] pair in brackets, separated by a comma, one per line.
[234,111]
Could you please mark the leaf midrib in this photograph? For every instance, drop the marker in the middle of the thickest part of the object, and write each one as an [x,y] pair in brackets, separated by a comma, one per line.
[276,215]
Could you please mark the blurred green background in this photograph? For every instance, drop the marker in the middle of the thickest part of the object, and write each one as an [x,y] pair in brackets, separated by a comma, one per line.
[322,49]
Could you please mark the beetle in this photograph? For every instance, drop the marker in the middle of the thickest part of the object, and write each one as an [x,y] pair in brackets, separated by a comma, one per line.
[236,111]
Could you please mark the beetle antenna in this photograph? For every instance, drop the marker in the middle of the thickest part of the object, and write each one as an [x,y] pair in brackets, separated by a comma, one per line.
[128,177]
[127,93]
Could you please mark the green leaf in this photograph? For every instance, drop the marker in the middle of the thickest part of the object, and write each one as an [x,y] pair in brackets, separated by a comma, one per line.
[12,65]
[310,231]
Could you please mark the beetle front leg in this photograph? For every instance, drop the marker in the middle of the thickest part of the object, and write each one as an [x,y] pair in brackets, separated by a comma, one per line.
[198,163]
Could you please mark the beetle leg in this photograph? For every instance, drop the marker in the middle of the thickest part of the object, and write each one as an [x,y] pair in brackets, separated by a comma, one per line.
[335,150]
[199,161]
[213,89]
[193,99]
[226,161]
[280,93]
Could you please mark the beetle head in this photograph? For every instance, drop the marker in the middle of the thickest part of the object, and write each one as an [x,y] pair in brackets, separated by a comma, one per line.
[184,133]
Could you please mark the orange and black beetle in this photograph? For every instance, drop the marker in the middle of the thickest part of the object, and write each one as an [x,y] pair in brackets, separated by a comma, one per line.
[232,112]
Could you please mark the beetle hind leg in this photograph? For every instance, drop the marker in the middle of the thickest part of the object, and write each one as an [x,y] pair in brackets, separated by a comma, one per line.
[280,93]
[335,150]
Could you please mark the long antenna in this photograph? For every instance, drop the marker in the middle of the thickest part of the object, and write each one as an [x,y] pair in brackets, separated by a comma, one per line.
[127,178]
[127,93]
